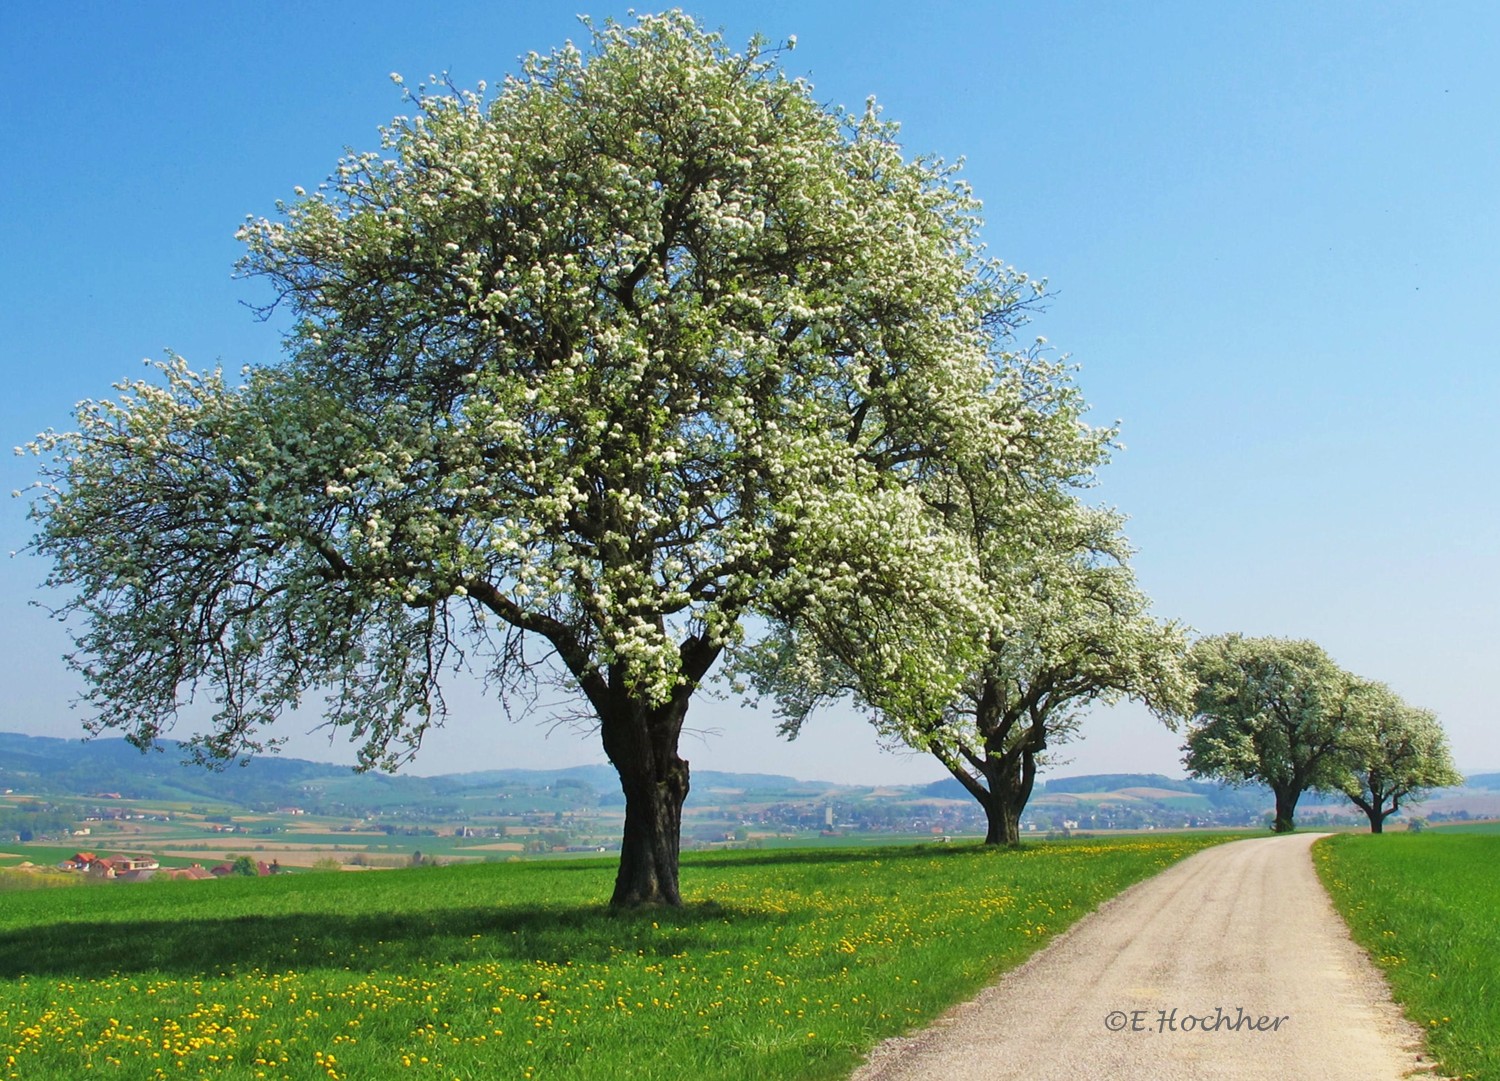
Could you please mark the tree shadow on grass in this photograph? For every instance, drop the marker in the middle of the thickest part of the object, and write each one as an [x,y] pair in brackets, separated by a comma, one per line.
[402,940]
[765,857]
[804,857]
[292,942]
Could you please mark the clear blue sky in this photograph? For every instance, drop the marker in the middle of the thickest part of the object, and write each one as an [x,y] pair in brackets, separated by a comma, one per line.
[1272,229]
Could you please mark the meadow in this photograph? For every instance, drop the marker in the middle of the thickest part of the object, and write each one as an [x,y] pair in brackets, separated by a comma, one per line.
[1426,906]
[1489,826]
[788,964]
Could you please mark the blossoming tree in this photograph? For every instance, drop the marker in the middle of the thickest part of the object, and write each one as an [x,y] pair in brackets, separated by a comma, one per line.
[1053,623]
[582,373]
[1272,710]
[1392,752]
[1076,631]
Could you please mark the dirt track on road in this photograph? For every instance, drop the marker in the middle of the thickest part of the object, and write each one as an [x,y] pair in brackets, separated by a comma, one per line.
[1229,965]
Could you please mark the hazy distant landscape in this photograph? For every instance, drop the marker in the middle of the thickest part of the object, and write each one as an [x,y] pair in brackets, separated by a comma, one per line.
[58,796]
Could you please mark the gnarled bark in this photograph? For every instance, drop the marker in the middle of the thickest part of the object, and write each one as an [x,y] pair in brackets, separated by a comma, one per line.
[1010,777]
[655,782]
[640,739]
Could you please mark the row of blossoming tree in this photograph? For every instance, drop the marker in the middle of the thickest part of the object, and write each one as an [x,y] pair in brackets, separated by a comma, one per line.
[1281,713]
[584,375]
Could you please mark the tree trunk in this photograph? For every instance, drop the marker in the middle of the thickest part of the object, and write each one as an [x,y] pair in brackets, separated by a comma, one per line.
[1010,777]
[640,738]
[1377,812]
[651,843]
[642,745]
[1004,823]
[1374,808]
[1286,808]
[1005,775]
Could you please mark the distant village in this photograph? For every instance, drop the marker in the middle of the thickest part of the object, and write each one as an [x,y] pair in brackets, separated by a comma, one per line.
[144,868]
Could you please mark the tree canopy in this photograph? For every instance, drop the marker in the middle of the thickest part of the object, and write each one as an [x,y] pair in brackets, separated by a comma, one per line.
[1283,713]
[581,374]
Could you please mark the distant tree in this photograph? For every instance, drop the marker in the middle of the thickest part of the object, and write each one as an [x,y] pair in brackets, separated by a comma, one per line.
[1392,753]
[1048,620]
[1272,710]
[1063,626]
[244,865]
[579,377]
[1078,632]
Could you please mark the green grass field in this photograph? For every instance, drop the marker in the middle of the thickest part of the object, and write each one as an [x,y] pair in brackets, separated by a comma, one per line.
[782,965]
[1427,908]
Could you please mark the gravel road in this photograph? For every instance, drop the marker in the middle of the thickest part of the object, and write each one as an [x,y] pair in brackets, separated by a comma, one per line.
[1230,964]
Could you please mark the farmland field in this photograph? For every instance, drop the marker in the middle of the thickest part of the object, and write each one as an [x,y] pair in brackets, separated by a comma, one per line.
[1492,826]
[785,964]
[1427,908]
